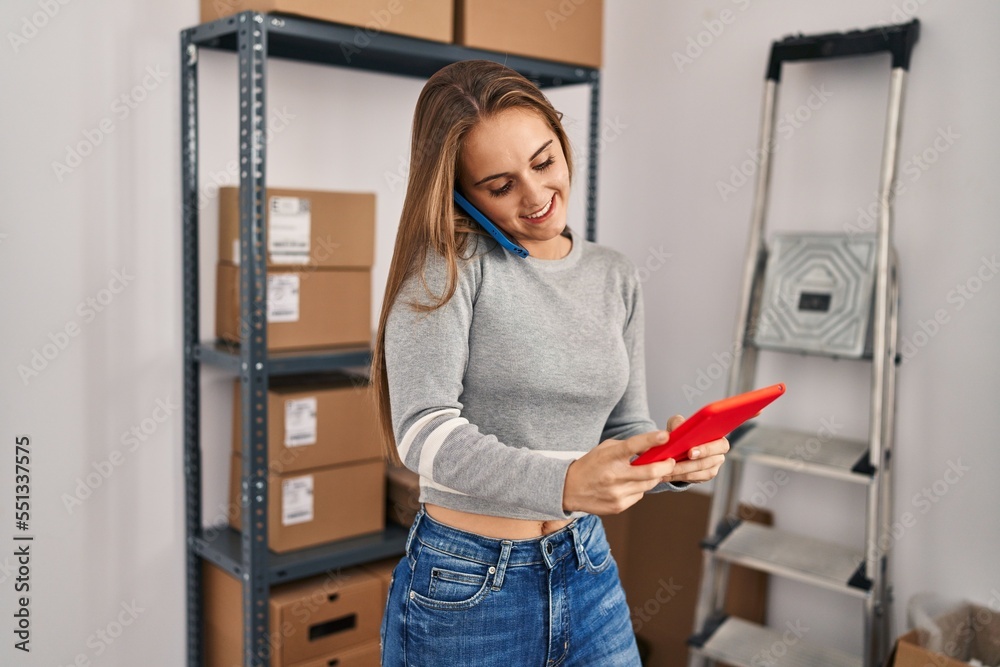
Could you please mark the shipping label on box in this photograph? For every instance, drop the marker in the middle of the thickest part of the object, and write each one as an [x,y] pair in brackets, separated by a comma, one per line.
[300,422]
[297,500]
[288,227]
[283,297]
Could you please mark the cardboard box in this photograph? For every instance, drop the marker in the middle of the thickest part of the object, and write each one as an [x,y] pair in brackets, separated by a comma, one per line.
[427,19]
[366,655]
[972,632]
[403,499]
[314,422]
[315,228]
[319,505]
[305,308]
[662,572]
[382,569]
[562,30]
[312,621]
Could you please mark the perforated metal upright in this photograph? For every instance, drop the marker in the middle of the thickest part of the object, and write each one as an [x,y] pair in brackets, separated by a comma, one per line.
[254,37]
[192,376]
[861,573]
[251,40]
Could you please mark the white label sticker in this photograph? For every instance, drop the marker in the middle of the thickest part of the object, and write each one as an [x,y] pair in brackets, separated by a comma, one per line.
[283,297]
[300,422]
[297,500]
[236,252]
[289,222]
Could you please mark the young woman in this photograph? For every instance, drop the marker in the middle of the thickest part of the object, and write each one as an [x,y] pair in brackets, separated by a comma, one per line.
[515,387]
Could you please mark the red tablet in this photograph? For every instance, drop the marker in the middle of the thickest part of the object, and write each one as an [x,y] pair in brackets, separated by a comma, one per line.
[715,420]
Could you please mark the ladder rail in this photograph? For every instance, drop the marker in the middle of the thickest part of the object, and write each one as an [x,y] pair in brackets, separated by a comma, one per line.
[755,252]
[744,364]
[878,421]
[715,573]
[885,592]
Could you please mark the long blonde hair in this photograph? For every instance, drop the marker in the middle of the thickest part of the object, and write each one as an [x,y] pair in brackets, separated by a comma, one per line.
[452,101]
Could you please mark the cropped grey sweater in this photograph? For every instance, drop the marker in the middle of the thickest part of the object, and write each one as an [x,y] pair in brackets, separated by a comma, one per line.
[528,366]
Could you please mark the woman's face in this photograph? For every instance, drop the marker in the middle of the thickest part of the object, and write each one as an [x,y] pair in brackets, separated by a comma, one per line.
[512,168]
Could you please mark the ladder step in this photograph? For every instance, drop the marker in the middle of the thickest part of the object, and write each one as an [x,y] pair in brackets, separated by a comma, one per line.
[745,644]
[826,456]
[806,559]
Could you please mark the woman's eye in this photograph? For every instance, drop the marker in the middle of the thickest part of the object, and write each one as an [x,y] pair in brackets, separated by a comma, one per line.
[545,165]
[506,188]
[502,191]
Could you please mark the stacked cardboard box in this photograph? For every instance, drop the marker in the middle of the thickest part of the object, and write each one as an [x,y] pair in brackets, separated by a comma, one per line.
[428,19]
[326,477]
[567,31]
[382,569]
[328,619]
[403,499]
[563,30]
[319,254]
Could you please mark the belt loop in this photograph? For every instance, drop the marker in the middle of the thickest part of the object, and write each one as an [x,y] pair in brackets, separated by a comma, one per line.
[501,567]
[577,545]
[413,528]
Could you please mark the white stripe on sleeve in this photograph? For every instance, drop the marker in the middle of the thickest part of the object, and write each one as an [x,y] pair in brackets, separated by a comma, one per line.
[433,443]
[411,434]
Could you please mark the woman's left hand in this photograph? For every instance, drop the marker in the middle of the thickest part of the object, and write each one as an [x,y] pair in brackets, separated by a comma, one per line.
[704,460]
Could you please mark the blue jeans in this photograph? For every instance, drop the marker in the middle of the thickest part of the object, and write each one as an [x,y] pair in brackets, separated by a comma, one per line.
[460,599]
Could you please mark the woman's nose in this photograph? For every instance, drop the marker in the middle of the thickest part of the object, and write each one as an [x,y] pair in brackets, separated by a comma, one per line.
[536,195]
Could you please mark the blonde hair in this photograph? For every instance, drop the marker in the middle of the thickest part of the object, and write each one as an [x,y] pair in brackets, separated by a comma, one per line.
[451,103]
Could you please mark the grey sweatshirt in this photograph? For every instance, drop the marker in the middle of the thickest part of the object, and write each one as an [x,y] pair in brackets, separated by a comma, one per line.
[528,366]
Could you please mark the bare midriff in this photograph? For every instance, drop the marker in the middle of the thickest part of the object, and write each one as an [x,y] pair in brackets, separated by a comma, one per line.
[498,527]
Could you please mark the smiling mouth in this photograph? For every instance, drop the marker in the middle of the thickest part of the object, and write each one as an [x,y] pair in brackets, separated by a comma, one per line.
[542,212]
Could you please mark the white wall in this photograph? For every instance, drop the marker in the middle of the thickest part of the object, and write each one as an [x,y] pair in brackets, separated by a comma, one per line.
[670,135]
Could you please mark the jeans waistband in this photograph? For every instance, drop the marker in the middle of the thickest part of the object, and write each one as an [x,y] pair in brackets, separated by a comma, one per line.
[548,549]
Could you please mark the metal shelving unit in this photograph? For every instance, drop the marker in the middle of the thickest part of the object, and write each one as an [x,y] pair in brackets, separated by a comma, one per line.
[254,38]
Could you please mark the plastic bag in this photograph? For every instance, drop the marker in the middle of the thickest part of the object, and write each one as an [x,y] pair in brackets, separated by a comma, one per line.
[923,613]
[958,629]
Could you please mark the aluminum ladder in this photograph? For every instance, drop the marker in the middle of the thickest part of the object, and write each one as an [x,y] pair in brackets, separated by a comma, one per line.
[857,572]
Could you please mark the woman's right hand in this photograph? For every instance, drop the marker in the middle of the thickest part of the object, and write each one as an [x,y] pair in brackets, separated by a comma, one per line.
[603,481]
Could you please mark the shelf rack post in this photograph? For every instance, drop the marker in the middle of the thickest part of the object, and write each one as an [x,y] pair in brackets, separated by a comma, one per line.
[192,388]
[252,55]
[592,153]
